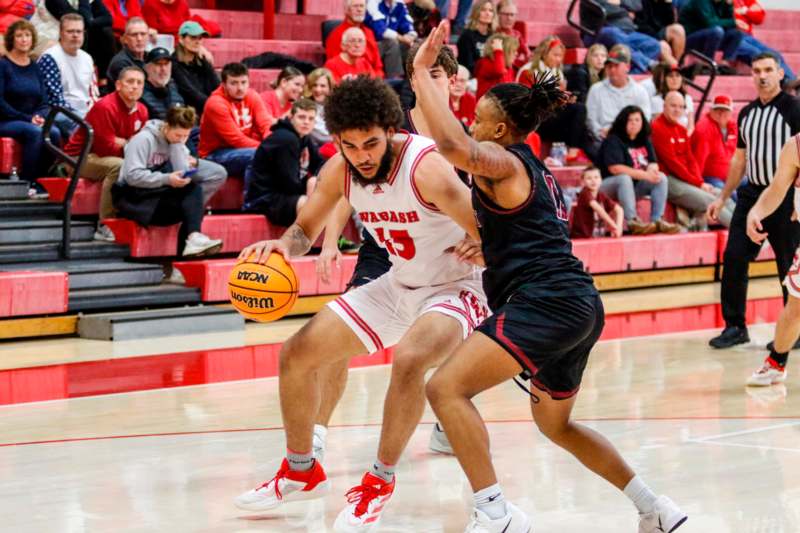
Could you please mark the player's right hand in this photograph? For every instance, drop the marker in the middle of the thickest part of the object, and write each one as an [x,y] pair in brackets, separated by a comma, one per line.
[327,257]
[259,252]
[713,210]
[754,228]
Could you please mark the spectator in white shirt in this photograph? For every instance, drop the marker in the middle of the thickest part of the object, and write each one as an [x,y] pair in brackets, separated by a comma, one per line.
[69,74]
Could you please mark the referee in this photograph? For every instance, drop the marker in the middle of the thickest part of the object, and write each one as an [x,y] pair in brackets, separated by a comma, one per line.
[765,125]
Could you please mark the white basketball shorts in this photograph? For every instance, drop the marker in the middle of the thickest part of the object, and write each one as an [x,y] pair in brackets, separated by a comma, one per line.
[381,311]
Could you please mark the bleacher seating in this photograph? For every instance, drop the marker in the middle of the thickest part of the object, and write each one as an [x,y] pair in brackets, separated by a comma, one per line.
[32,293]
[10,155]
[85,199]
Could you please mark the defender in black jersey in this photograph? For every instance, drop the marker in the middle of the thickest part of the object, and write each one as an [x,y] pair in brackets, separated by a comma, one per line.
[547,312]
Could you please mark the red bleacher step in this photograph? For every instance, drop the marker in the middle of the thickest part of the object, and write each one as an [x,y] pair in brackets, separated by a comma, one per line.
[236,231]
[231,50]
[10,155]
[250,24]
[230,196]
[33,293]
[647,252]
[211,276]
[85,199]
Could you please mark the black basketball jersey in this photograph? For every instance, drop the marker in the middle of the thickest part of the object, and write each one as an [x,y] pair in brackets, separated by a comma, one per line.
[529,245]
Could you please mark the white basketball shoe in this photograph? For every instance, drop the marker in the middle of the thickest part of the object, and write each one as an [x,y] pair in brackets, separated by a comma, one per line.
[439,441]
[769,374]
[515,521]
[665,517]
[286,486]
[365,503]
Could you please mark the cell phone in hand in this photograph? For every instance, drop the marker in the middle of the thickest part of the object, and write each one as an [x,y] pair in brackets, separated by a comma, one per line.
[189,173]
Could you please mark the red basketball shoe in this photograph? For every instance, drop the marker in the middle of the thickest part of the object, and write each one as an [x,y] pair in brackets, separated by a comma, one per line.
[365,504]
[287,486]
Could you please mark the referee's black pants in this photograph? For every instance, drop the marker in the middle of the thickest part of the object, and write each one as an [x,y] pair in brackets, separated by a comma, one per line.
[783,236]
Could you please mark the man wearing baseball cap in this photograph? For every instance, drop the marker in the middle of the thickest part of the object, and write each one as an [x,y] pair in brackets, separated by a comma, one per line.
[160,91]
[607,98]
[714,141]
[192,72]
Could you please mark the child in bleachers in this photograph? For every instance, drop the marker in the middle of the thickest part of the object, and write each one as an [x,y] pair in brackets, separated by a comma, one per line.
[595,214]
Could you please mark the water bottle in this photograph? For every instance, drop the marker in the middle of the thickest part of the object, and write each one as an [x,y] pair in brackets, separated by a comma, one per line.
[558,152]
[13,176]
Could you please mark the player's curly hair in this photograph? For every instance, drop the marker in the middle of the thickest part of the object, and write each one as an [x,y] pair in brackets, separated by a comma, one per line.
[362,103]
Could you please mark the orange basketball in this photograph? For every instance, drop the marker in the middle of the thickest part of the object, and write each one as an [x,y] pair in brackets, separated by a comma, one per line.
[263,292]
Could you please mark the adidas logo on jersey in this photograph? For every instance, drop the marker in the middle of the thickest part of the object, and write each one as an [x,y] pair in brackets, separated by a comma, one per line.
[377,190]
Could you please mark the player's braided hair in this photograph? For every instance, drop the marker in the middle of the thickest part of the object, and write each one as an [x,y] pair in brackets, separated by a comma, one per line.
[527,108]
[362,103]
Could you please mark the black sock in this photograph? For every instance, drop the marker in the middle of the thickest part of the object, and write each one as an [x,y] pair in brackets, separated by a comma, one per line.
[779,358]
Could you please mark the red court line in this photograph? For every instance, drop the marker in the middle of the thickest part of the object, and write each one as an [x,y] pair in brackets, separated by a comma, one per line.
[375,424]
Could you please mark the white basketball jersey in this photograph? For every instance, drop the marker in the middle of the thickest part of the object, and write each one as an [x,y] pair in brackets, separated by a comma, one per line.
[418,237]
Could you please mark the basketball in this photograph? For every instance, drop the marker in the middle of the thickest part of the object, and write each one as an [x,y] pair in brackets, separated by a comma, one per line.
[263,292]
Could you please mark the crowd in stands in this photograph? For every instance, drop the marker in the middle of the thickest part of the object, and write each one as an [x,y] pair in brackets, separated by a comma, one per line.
[168,130]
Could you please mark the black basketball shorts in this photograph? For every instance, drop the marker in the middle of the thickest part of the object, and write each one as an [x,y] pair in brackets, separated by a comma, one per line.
[550,337]
[373,262]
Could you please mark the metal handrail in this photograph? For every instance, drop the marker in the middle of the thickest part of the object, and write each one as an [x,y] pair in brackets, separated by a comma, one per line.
[705,90]
[75,163]
[590,6]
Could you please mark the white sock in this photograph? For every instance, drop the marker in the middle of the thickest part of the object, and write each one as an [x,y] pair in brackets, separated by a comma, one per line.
[491,501]
[640,494]
[320,434]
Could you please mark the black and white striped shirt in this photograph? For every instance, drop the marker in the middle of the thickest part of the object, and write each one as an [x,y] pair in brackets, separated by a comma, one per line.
[763,130]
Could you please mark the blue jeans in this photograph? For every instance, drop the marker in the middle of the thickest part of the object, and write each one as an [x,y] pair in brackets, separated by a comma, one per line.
[708,40]
[35,158]
[461,14]
[235,160]
[626,191]
[750,47]
[645,50]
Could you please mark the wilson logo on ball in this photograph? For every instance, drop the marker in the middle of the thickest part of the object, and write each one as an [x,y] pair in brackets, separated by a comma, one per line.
[253,302]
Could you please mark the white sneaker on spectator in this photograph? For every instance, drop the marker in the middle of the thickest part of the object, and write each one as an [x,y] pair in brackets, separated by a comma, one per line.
[199,244]
[769,374]
[104,233]
[176,277]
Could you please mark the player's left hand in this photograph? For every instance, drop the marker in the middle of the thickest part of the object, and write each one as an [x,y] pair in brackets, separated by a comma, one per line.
[429,50]
[754,228]
[468,250]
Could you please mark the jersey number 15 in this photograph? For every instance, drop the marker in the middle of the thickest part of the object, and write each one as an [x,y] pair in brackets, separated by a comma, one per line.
[398,243]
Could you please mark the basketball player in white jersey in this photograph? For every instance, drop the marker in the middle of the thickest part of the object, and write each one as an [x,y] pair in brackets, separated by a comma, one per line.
[773,370]
[369,266]
[413,203]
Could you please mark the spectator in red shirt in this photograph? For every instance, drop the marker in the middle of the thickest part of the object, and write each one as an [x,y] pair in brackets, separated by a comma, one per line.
[506,18]
[234,122]
[166,16]
[714,141]
[495,65]
[595,214]
[352,60]
[121,11]
[673,148]
[115,118]
[462,102]
[355,12]
[285,91]
[749,13]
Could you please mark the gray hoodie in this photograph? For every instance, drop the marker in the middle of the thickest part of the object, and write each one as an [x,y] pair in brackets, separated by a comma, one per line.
[606,101]
[149,150]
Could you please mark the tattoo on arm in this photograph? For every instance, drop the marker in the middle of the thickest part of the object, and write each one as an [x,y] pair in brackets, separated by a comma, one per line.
[297,240]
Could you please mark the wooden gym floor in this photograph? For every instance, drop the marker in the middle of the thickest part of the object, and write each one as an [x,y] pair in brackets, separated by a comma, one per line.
[172,460]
